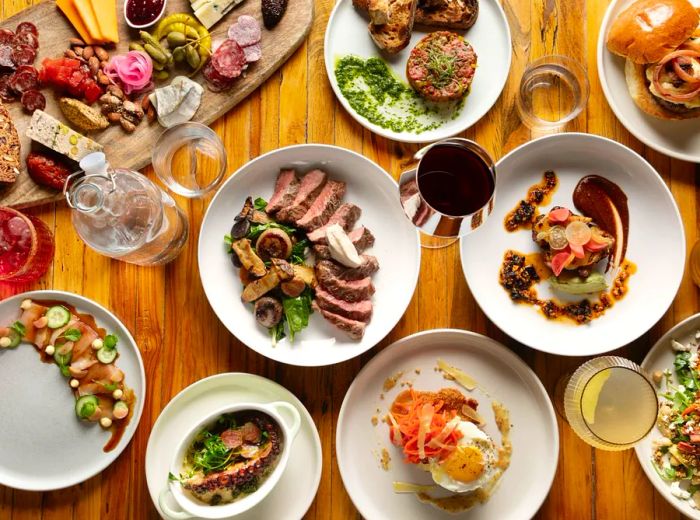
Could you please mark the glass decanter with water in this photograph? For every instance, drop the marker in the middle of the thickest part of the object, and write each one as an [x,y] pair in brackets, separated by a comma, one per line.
[121,214]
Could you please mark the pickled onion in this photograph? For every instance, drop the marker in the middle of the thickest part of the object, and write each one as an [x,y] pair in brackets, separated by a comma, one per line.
[674,96]
[132,70]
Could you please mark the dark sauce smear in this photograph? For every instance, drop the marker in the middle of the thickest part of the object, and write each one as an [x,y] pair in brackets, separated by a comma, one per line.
[525,213]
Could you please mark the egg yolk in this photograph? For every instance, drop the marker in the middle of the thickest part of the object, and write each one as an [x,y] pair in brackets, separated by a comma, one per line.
[465,464]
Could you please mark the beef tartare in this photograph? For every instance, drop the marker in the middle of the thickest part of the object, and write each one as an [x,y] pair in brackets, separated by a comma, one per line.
[441,66]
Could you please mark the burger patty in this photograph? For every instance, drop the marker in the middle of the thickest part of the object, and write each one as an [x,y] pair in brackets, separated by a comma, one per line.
[441,66]
[676,108]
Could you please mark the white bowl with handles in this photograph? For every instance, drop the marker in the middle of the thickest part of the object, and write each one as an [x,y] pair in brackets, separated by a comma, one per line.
[190,507]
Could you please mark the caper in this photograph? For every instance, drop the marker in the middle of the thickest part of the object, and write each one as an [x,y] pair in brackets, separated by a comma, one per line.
[192,56]
[175,39]
[179,54]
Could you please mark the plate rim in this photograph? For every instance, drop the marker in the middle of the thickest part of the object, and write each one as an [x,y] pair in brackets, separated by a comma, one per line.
[677,273]
[509,357]
[400,137]
[271,353]
[111,456]
[236,375]
[603,80]
[655,480]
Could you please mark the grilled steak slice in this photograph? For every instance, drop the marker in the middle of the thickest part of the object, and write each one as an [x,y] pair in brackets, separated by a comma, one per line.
[346,216]
[360,310]
[362,238]
[354,329]
[286,188]
[348,290]
[324,206]
[326,268]
[311,185]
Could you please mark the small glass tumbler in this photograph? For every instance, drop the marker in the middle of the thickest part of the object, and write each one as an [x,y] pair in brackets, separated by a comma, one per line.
[553,91]
[26,247]
[190,159]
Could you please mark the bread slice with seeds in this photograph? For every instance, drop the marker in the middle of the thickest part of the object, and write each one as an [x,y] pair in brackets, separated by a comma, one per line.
[395,35]
[9,148]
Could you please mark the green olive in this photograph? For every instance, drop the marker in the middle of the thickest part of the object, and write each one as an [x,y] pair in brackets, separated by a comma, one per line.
[193,59]
[179,54]
[176,39]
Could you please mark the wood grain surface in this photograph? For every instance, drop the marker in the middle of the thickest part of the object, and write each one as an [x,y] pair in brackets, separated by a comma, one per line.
[134,150]
[161,306]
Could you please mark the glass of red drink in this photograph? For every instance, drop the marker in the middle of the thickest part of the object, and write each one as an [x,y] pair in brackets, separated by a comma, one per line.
[26,247]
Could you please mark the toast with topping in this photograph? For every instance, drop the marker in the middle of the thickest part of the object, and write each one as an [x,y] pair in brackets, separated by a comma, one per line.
[447,14]
[394,35]
[9,148]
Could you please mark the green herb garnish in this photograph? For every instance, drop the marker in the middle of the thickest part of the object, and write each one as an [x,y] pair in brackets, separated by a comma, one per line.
[72,335]
[298,255]
[110,342]
[257,229]
[441,67]
[260,204]
[297,311]
[19,328]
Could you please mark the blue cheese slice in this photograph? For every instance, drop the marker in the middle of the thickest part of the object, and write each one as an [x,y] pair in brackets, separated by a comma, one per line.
[208,12]
[50,132]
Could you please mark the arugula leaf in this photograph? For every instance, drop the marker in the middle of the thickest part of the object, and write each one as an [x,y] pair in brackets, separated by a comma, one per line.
[227,243]
[298,255]
[110,341]
[260,204]
[257,229]
[297,311]
[72,335]
[19,328]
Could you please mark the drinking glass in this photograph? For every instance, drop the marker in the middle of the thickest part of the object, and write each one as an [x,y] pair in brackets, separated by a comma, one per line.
[694,263]
[190,159]
[609,402]
[451,191]
[553,91]
[26,247]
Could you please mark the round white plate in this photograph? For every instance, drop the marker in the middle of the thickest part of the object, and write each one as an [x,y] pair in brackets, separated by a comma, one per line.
[661,357]
[346,33]
[296,489]
[679,139]
[397,247]
[502,376]
[656,244]
[43,446]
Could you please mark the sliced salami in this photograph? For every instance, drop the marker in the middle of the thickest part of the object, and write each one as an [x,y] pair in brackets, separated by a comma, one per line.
[229,59]
[215,81]
[246,31]
[6,93]
[27,27]
[6,36]
[252,52]
[26,38]
[23,55]
[24,80]
[33,100]
[6,57]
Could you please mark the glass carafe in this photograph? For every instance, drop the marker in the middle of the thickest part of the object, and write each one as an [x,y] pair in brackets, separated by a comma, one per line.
[121,214]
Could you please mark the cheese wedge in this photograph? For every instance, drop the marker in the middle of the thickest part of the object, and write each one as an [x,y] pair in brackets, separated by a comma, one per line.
[69,10]
[106,14]
[84,8]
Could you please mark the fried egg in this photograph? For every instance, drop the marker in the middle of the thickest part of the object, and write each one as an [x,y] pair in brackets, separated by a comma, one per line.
[471,465]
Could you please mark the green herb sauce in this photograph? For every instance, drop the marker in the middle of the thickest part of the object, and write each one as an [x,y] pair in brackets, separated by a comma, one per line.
[376,94]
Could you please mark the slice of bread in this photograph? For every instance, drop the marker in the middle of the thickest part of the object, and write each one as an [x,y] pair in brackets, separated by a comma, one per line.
[9,148]
[447,14]
[395,35]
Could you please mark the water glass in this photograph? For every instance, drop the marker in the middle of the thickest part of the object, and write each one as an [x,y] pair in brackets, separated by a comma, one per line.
[26,247]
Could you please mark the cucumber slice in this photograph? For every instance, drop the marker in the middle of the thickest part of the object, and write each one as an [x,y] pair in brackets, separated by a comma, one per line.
[62,359]
[15,338]
[106,355]
[57,317]
[85,406]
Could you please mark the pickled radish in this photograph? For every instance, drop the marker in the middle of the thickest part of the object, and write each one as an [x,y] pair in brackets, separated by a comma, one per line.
[578,233]
[577,251]
[595,246]
[557,238]
[560,261]
[559,215]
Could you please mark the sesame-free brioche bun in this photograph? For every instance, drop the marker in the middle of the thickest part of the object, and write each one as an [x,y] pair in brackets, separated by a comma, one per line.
[638,87]
[648,30]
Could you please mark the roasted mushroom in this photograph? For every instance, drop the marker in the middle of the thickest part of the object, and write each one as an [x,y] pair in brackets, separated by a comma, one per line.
[281,271]
[293,287]
[306,273]
[240,229]
[248,258]
[259,217]
[246,211]
[284,269]
[268,311]
[274,243]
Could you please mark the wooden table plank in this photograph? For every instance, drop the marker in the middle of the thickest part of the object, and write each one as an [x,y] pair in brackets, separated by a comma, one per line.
[182,341]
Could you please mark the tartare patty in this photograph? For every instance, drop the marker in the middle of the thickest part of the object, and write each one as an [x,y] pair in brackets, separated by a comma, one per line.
[441,66]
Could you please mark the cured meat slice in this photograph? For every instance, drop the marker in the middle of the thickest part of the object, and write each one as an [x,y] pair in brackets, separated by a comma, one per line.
[246,31]
[25,78]
[215,81]
[27,27]
[23,55]
[6,93]
[26,38]
[6,36]
[229,59]
[252,52]
[6,57]
[33,100]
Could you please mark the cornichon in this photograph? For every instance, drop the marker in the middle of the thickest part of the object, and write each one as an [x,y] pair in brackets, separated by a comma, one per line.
[185,23]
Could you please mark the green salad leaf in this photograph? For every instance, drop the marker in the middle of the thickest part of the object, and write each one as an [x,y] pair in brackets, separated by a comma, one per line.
[260,204]
[299,252]
[297,311]
[257,229]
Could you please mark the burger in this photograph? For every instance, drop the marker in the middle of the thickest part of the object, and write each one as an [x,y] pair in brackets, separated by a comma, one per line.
[660,40]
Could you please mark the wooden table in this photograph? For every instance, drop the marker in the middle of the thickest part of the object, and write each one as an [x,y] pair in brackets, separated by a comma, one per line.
[161,306]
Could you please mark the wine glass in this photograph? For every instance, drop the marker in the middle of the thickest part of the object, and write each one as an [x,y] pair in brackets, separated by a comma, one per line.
[450,193]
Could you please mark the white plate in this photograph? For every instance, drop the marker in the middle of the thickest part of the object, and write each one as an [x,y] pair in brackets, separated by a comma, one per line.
[656,244]
[346,33]
[502,374]
[397,247]
[661,357]
[679,139]
[297,487]
[43,446]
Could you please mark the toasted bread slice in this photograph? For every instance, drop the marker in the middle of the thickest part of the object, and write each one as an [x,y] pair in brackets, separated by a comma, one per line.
[9,148]
[395,35]
[448,14]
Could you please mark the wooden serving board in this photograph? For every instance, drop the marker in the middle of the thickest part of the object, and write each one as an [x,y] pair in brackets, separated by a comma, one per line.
[134,150]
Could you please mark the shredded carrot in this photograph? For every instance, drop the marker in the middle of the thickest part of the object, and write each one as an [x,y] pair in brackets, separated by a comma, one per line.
[408,418]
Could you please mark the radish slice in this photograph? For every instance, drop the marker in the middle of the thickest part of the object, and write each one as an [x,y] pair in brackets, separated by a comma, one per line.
[559,215]
[578,233]
[557,238]
[560,261]
[577,251]
[594,246]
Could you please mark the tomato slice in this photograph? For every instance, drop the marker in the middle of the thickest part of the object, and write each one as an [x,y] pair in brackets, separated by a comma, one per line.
[560,261]
[559,215]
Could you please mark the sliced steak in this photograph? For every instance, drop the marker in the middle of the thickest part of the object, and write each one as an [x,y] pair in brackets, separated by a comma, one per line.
[348,290]
[354,329]
[360,310]
[323,207]
[362,238]
[286,188]
[346,216]
[327,268]
[311,185]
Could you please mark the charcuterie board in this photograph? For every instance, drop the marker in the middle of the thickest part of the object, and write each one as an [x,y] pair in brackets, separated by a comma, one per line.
[134,150]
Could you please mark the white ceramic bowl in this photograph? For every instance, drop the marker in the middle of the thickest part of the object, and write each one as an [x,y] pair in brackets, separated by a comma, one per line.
[190,507]
[143,26]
